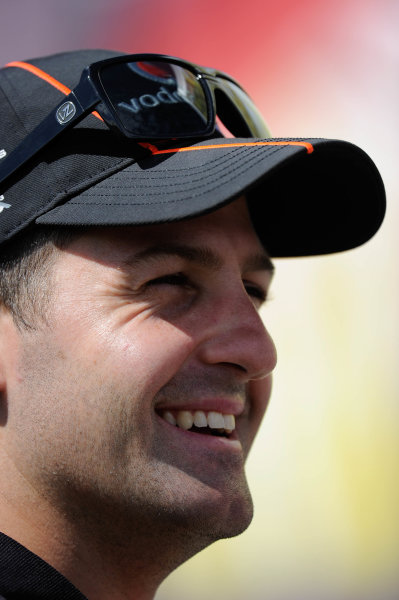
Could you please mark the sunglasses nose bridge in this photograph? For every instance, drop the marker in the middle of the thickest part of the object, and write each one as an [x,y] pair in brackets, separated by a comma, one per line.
[215,84]
[211,78]
[225,107]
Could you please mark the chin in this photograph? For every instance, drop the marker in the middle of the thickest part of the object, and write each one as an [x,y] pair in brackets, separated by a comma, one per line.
[221,515]
[240,519]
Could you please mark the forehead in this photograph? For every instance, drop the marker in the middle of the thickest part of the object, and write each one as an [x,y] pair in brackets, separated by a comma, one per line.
[225,232]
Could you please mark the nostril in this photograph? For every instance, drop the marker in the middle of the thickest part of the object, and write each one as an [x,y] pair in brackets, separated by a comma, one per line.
[233,365]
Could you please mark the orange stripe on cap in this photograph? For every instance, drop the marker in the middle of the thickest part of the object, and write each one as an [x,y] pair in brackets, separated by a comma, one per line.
[309,147]
[153,149]
[46,77]
[42,74]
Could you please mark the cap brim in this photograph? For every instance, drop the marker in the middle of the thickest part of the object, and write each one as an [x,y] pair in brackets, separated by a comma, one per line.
[306,196]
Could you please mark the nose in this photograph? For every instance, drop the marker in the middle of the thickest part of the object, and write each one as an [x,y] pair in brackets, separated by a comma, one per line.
[235,335]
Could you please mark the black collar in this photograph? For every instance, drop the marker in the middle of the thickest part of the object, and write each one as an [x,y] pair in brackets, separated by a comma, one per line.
[25,576]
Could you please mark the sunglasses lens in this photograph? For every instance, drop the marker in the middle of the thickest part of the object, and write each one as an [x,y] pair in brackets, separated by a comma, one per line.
[237,112]
[156,99]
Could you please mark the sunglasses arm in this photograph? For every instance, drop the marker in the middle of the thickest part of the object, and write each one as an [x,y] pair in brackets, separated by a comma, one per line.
[67,113]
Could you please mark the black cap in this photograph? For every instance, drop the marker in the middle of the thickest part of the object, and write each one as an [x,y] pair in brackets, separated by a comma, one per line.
[306,196]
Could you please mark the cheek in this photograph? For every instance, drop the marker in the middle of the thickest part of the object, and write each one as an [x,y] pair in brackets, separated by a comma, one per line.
[143,355]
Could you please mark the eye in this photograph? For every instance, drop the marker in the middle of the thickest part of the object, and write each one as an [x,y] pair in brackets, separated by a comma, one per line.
[178,279]
[255,291]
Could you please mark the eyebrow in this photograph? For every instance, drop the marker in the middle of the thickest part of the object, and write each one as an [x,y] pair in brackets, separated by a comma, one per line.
[201,255]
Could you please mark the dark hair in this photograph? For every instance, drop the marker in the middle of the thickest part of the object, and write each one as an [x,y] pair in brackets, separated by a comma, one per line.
[25,272]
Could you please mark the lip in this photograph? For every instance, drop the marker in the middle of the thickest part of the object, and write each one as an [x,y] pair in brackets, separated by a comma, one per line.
[201,440]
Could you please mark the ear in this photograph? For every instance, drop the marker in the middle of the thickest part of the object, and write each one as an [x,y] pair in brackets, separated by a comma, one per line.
[8,340]
[9,345]
[3,385]
[2,350]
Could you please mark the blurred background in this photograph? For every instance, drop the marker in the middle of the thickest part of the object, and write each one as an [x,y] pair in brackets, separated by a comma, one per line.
[324,470]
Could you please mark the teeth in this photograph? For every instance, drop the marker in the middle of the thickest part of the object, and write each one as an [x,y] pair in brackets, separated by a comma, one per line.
[229,422]
[200,419]
[167,415]
[215,420]
[185,419]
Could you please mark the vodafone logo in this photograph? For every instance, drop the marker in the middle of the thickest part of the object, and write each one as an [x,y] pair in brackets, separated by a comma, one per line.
[163,96]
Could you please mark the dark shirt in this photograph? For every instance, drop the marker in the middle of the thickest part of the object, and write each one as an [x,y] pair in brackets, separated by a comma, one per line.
[25,576]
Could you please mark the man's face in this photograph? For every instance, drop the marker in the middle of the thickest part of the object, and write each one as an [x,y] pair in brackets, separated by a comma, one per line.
[144,323]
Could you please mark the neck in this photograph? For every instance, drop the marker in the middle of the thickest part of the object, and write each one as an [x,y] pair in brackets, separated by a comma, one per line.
[102,556]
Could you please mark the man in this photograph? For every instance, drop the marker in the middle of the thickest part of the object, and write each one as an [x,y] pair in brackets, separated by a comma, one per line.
[134,367]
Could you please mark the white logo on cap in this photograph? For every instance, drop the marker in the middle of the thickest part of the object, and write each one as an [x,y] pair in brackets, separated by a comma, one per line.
[65,112]
[3,205]
[3,153]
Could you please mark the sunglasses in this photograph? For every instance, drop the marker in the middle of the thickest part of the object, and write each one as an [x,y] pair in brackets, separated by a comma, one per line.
[148,97]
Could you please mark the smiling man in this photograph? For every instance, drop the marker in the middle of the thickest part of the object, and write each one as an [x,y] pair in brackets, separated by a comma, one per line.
[135,369]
